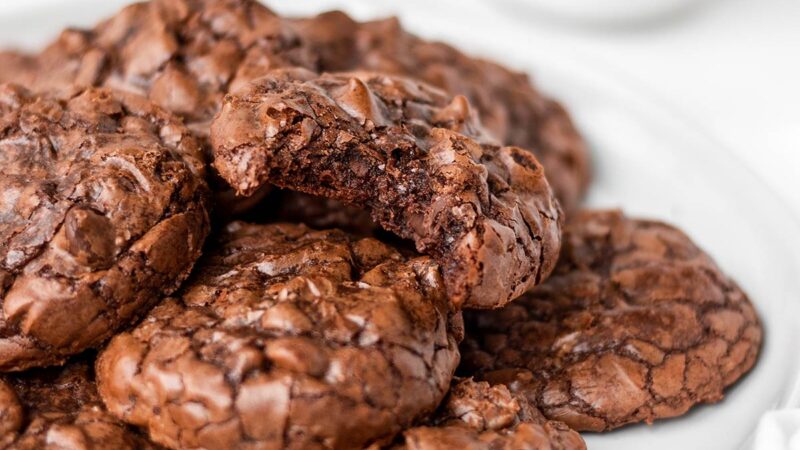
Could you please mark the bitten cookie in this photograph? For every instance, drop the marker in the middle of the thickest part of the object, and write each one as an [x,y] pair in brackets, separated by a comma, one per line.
[288,338]
[102,213]
[509,105]
[317,212]
[478,416]
[404,151]
[186,54]
[635,324]
[58,408]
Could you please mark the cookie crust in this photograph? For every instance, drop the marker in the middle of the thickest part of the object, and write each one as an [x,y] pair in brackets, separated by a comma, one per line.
[636,324]
[288,338]
[510,106]
[410,155]
[59,408]
[478,416]
[183,55]
[103,212]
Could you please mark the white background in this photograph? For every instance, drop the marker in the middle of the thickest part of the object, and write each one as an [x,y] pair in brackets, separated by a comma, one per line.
[732,66]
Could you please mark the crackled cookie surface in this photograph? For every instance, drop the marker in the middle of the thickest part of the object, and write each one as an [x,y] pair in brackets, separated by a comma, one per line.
[405,152]
[478,416]
[509,105]
[102,213]
[59,408]
[635,324]
[182,54]
[186,54]
[288,338]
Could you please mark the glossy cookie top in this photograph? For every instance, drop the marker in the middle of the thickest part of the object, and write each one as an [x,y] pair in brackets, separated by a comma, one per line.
[103,212]
[478,416]
[60,408]
[186,54]
[287,337]
[182,54]
[635,324]
[417,159]
[509,105]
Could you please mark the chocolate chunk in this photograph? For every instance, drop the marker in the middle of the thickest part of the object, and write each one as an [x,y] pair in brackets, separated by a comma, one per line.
[102,213]
[288,338]
[413,157]
[635,324]
[510,106]
[60,408]
[478,416]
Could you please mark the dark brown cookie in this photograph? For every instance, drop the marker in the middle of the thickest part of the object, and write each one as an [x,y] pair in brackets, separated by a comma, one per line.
[102,213]
[288,338]
[404,151]
[316,212]
[182,54]
[58,408]
[478,416]
[635,324]
[510,106]
[185,55]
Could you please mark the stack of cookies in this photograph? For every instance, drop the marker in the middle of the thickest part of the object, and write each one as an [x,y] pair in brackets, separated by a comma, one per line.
[226,229]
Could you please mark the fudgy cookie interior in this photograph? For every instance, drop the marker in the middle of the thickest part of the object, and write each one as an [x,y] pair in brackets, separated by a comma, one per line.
[403,151]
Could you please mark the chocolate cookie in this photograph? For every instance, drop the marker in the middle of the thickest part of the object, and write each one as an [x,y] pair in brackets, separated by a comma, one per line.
[59,408]
[510,106]
[404,151]
[478,416]
[185,55]
[635,324]
[182,54]
[288,338]
[316,212]
[103,212]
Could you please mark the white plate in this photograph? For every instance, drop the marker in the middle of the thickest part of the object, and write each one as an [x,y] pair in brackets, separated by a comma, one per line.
[604,12]
[648,161]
